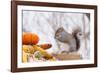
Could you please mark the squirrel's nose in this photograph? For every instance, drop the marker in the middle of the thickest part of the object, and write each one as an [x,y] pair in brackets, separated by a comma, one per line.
[55,37]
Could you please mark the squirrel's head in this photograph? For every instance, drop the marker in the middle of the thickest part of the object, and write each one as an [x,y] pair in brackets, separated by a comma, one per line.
[59,32]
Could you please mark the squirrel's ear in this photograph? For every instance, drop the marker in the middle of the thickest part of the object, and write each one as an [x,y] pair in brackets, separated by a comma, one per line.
[60,29]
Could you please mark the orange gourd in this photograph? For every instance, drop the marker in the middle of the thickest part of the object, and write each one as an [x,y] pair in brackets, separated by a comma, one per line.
[30,38]
[45,46]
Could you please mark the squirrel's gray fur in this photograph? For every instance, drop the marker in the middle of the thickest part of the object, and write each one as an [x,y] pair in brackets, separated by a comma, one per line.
[67,38]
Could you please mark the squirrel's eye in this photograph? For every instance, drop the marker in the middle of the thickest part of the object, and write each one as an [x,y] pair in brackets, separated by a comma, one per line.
[59,36]
[80,34]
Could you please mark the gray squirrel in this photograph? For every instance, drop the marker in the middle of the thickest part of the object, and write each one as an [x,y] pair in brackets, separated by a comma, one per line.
[68,39]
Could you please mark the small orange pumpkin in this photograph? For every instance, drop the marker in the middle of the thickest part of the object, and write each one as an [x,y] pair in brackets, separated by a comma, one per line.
[30,38]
